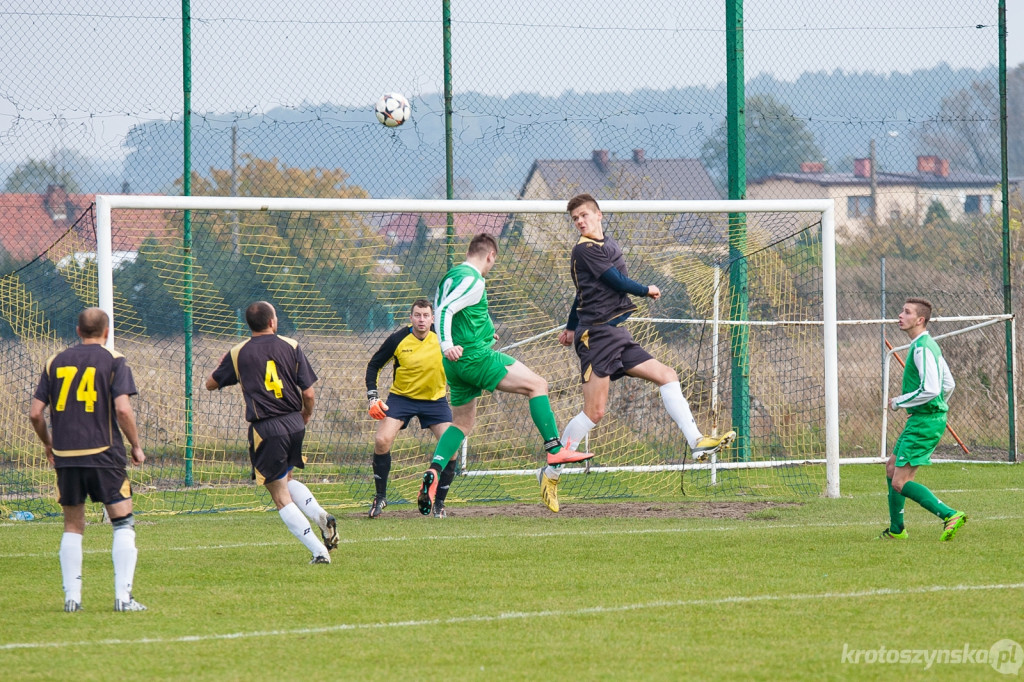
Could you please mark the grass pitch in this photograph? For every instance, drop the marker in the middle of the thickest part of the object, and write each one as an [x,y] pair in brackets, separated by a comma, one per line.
[782,589]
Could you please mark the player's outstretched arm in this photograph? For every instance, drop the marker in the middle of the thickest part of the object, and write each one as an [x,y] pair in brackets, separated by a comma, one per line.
[620,282]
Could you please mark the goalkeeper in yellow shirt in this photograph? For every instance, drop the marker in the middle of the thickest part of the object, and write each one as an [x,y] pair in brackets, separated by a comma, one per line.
[417,390]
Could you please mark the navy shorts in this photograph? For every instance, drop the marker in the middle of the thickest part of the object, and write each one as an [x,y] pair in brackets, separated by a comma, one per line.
[275,447]
[105,485]
[429,412]
[607,351]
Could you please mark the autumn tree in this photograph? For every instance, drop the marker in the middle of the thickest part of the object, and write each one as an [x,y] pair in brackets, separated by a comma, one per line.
[285,255]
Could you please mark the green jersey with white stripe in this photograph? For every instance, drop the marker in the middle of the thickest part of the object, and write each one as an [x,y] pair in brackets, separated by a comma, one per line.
[927,381]
[461,309]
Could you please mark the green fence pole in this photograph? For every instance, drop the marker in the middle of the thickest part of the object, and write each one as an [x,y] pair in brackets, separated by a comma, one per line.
[739,337]
[449,165]
[1011,395]
[186,51]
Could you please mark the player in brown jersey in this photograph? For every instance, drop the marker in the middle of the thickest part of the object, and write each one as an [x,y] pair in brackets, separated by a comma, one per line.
[606,350]
[277,386]
[87,387]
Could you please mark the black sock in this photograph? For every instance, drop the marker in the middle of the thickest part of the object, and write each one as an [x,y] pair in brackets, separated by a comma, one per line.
[447,476]
[381,470]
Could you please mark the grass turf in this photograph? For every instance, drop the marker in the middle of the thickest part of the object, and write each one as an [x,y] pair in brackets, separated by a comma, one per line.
[779,594]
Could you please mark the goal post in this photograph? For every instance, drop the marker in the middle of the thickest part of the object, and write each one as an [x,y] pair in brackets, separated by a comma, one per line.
[343,275]
[819,212]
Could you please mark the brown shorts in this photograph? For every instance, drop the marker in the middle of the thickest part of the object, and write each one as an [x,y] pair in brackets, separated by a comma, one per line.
[105,485]
[607,351]
[275,448]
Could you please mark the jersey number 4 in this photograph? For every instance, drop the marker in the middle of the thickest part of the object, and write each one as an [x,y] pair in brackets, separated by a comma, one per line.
[86,392]
[272,381]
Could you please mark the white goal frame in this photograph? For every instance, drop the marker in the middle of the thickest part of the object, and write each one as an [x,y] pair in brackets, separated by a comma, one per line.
[825,208]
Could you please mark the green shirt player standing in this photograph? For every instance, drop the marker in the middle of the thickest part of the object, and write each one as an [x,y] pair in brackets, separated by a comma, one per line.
[471,366]
[927,383]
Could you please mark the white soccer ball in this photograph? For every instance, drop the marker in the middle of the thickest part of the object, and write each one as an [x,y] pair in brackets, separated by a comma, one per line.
[392,109]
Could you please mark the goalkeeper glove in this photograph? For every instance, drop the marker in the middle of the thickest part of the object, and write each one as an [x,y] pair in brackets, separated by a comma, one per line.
[377,406]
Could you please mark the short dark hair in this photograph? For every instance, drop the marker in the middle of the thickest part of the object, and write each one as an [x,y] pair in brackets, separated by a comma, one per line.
[258,316]
[421,303]
[92,322]
[579,200]
[481,245]
[923,307]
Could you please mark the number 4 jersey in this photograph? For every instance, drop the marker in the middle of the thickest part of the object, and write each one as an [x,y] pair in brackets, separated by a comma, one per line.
[80,385]
[273,372]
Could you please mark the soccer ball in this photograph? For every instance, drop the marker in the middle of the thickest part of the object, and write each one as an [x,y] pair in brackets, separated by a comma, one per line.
[392,109]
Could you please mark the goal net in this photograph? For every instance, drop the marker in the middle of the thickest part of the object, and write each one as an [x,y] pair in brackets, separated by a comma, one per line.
[746,318]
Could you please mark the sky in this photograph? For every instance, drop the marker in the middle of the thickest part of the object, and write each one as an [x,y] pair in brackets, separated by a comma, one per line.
[82,78]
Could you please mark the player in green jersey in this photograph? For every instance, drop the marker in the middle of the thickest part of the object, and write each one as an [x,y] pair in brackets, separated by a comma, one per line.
[472,366]
[927,384]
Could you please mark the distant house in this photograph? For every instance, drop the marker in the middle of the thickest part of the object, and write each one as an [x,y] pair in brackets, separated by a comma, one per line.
[898,195]
[29,223]
[606,177]
[32,223]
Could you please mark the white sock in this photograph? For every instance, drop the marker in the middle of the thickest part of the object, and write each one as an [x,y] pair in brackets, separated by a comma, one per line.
[71,566]
[300,528]
[124,555]
[573,436]
[576,431]
[679,409]
[304,500]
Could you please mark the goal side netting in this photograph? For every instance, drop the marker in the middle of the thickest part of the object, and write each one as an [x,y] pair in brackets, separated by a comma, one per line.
[746,318]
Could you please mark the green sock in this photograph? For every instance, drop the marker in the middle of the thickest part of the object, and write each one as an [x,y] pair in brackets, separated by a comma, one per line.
[544,419]
[896,503]
[926,498]
[447,445]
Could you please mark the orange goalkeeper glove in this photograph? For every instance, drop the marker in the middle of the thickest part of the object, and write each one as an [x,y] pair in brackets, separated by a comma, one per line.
[377,406]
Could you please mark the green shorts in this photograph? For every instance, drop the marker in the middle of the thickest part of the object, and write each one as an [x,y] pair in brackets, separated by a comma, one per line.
[475,372]
[915,445]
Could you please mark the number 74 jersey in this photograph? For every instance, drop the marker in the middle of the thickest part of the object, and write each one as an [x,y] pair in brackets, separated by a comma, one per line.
[80,385]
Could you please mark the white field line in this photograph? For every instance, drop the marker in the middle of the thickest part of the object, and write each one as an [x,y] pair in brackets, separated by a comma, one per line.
[516,615]
[745,525]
